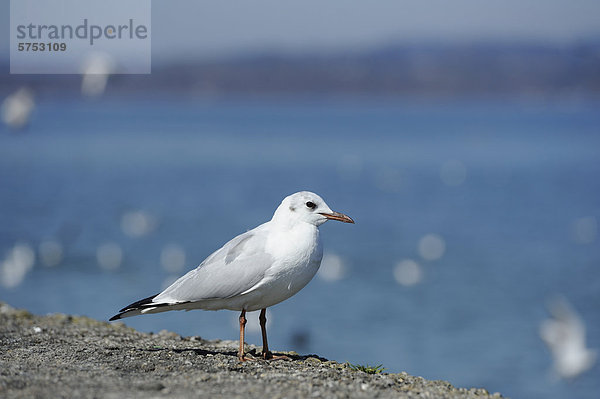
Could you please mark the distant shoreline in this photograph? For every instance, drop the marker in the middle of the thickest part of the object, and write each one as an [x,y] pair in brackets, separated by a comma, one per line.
[429,70]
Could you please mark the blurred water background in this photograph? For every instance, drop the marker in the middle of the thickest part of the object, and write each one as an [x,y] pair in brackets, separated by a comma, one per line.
[469,217]
[464,141]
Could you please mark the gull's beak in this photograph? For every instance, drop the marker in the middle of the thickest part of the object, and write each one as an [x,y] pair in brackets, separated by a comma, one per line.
[338,216]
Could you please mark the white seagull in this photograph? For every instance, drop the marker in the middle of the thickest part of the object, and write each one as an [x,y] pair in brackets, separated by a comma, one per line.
[255,270]
[565,336]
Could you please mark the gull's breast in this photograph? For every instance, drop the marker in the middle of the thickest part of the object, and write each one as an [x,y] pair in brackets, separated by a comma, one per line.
[297,256]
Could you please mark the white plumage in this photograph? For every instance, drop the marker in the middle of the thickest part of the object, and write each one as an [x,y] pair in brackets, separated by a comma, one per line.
[565,334]
[254,270]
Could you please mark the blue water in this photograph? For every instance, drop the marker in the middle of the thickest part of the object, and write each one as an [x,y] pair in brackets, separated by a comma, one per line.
[208,170]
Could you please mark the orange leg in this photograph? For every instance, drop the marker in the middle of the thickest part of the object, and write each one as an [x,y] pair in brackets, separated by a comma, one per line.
[266,353]
[241,354]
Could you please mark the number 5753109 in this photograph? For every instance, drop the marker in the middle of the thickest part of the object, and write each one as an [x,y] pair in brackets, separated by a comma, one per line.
[26,46]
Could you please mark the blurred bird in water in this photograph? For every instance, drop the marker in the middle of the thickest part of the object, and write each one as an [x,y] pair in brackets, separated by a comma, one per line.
[255,270]
[96,70]
[565,336]
[17,108]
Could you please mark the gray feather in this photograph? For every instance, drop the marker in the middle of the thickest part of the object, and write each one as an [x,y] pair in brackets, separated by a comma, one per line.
[233,269]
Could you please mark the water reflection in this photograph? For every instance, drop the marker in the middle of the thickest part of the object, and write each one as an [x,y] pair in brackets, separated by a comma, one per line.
[432,247]
[138,223]
[172,258]
[332,267]
[408,272]
[109,256]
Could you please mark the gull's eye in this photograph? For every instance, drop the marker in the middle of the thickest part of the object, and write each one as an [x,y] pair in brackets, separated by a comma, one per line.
[311,205]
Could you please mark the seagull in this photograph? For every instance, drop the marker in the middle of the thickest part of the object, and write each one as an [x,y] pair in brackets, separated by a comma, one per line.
[16,109]
[564,335]
[253,271]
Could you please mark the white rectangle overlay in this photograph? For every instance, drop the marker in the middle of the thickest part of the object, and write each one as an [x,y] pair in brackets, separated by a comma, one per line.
[80,37]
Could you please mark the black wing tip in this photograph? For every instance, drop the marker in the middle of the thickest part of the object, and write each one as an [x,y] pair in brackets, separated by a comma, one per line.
[141,304]
[137,304]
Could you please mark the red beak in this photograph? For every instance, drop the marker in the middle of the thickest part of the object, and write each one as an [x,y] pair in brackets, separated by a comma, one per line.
[338,216]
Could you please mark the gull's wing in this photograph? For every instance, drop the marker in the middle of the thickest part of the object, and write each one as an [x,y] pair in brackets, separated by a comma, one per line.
[573,327]
[230,271]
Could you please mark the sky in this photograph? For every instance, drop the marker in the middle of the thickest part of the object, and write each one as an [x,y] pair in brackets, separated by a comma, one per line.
[199,28]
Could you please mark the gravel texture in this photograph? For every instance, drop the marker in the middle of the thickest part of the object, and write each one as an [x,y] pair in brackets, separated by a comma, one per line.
[77,357]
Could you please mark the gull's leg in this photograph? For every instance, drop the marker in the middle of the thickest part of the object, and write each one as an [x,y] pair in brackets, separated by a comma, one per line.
[266,353]
[241,354]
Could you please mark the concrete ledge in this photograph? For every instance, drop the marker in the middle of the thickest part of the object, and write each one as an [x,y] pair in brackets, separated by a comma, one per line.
[78,357]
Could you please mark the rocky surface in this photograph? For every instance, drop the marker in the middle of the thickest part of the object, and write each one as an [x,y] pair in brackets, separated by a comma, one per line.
[78,357]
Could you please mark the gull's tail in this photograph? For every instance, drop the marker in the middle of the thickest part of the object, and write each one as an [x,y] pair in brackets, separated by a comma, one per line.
[147,305]
[140,307]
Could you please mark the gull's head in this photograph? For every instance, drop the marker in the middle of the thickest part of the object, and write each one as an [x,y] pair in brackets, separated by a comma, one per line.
[307,207]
